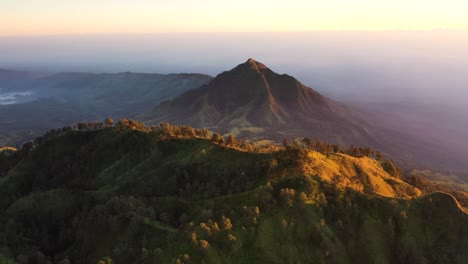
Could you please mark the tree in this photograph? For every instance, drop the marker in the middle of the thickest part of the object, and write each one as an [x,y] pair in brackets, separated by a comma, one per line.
[217,138]
[378,156]
[83,126]
[336,148]
[226,223]
[105,260]
[367,152]
[28,146]
[109,122]
[123,122]
[132,123]
[317,144]
[322,200]
[353,151]
[391,169]
[188,131]
[205,133]
[231,141]
[204,244]
[287,196]
[165,126]
[307,142]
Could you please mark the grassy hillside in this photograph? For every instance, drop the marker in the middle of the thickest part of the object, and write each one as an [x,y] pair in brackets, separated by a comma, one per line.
[125,196]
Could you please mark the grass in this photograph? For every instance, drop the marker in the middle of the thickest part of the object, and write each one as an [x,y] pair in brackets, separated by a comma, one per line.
[361,174]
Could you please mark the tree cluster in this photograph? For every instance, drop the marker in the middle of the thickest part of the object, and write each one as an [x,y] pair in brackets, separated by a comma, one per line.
[182,131]
[51,134]
[327,148]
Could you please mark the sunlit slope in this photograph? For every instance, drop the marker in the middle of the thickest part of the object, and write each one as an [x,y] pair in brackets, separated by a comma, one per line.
[362,174]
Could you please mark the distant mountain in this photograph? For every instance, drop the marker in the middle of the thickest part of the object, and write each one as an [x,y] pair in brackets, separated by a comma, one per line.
[13,75]
[140,90]
[61,99]
[253,100]
[120,88]
[10,79]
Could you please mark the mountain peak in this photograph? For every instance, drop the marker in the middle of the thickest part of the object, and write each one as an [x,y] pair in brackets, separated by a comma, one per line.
[253,64]
[252,96]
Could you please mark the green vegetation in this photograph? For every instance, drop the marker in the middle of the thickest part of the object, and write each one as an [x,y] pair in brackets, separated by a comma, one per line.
[167,194]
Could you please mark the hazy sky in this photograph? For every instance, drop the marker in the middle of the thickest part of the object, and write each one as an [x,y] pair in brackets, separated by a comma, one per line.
[428,65]
[45,17]
[336,46]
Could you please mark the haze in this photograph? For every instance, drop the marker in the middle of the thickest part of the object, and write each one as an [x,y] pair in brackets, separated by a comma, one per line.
[430,66]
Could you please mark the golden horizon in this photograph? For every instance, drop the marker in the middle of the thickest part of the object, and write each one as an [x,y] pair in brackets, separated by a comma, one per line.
[54,17]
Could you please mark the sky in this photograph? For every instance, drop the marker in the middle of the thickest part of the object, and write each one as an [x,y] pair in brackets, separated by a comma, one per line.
[372,48]
[52,17]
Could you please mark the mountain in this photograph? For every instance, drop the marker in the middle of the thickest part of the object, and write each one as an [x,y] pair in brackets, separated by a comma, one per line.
[140,89]
[62,99]
[124,195]
[252,99]
[13,76]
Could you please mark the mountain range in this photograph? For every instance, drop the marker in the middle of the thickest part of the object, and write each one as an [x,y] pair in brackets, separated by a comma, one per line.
[35,105]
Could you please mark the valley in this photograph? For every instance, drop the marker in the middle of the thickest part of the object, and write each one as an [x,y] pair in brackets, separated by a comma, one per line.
[57,100]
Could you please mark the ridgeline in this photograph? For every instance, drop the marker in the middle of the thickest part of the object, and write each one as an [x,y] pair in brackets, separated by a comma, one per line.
[168,194]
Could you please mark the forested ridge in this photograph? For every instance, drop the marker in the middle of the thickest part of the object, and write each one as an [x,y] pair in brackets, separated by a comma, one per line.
[128,193]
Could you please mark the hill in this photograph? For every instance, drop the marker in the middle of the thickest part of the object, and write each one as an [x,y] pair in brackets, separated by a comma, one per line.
[14,77]
[252,100]
[134,194]
[140,90]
